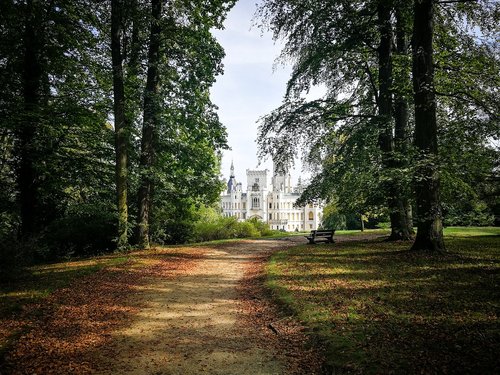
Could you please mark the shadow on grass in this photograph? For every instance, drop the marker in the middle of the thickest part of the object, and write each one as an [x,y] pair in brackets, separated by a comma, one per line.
[379,308]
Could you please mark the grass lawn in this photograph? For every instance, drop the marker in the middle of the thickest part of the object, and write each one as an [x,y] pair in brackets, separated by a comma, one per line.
[379,309]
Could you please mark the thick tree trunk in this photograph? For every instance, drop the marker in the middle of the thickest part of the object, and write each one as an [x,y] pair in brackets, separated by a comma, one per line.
[429,222]
[399,226]
[32,86]
[401,113]
[150,120]
[121,131]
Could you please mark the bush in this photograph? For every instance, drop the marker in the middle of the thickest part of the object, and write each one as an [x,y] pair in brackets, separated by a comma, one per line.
[472,213]
[87,229]
[220,228]
[261,227]
[14,256]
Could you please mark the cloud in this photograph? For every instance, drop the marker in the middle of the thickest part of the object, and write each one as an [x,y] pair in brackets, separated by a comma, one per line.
[249,88]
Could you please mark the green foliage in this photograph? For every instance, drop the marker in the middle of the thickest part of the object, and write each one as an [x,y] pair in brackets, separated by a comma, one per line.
[261,227]
[224,228]
[215,227]
[336,217]
[173,221]
[335,44]
[86,229]
[73,137]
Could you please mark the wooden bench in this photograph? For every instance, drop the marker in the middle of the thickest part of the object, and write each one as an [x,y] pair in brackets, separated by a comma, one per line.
[321,236]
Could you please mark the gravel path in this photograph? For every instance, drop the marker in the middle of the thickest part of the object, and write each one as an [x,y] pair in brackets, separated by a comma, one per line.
[190,322]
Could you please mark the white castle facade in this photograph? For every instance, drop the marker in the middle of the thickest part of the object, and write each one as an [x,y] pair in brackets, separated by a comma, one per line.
[270,199]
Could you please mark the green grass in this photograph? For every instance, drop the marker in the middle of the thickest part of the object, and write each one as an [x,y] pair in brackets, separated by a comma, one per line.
[378,308]
[359,233]
[471,231]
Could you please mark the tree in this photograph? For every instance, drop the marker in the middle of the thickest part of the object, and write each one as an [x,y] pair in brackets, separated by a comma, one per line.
[121,131]
[150,125]
[32,75]
[462,95]
[182,134]
[400,230]
[348,47]
[55,131]
[429,222]
[359,50]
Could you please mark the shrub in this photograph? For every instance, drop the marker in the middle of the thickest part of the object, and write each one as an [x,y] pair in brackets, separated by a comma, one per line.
[220,228]
[246,229]
[88,229]
[14,256]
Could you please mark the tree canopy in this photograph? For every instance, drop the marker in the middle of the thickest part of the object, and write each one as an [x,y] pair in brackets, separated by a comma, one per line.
[74,110]
[362,132]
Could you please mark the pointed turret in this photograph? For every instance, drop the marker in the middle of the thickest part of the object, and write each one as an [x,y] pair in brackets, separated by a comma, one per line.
[231,183]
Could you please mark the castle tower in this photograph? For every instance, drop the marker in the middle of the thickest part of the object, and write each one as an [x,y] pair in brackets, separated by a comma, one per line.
[231,183]
[282,181]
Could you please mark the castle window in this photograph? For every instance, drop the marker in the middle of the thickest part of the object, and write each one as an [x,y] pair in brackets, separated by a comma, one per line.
[311,215]
[270,216]
[270,205]
[255,202]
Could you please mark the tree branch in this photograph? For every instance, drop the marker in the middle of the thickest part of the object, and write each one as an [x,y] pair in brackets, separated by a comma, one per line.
[455,1]
[372,82]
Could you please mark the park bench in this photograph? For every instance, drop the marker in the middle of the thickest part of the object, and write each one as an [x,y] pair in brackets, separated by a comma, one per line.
[321,236]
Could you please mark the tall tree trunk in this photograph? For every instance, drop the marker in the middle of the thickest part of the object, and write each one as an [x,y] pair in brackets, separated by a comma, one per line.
[399,227]
[132,85]
[150,120]
[121,131]
[401,109]
[32,86]
[429,221]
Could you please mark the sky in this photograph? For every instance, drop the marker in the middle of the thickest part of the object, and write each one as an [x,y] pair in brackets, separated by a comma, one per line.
[252,86]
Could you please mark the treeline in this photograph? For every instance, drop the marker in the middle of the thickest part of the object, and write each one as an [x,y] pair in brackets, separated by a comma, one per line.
[108,136]
[409,125]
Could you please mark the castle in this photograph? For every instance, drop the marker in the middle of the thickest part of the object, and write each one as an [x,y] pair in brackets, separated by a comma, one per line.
[270,200]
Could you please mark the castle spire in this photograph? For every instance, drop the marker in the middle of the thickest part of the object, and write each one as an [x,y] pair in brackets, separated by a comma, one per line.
[231,174]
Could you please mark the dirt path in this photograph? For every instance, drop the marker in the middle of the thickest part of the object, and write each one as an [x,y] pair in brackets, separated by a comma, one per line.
[176,310]
[190,322]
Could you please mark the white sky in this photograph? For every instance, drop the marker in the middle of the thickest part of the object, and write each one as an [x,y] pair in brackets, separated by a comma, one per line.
[252,86]
[248,89]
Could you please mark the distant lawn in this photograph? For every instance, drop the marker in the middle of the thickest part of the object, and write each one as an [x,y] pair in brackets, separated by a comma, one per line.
[471,231]
[357,232]
[379,309]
